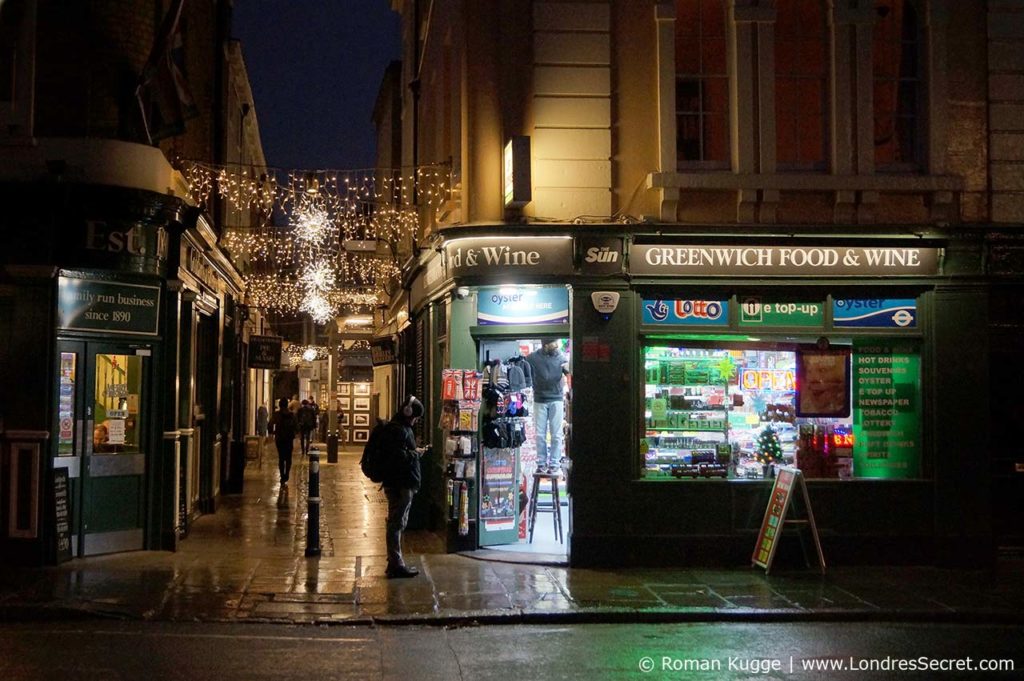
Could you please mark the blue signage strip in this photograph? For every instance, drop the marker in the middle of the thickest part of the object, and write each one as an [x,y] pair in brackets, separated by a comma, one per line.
[886,313]
[686,312]
[522,305]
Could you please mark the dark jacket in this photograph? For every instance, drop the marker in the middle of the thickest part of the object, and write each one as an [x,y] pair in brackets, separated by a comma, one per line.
[307,417]
[399,445]
[283,425]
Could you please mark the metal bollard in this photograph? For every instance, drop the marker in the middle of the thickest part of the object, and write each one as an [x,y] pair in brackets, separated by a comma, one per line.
[313,520]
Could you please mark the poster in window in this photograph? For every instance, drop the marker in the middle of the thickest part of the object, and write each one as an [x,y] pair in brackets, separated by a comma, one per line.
[360,420]
[344,403]
[823,382]
[361,389]
[344,388]
[361,435]
[361,403]
[344,419]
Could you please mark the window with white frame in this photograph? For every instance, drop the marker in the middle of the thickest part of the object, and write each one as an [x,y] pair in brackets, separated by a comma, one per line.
[702,84]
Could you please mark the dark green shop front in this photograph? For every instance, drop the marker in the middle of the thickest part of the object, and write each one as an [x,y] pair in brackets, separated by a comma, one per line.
[900,326]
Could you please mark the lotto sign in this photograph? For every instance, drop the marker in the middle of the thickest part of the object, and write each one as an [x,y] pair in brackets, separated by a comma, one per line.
[756,312]
[687,312]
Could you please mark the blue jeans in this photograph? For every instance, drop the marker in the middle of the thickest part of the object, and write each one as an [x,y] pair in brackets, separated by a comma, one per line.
[547,416]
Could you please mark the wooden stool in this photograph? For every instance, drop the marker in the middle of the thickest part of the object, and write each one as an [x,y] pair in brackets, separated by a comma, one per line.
[556,503]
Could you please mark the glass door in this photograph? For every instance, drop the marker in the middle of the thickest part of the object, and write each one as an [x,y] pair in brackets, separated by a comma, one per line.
[498,469]
[114,464]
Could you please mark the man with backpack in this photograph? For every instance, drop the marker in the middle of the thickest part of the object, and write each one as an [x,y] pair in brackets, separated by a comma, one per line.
[307,424]
[392,458]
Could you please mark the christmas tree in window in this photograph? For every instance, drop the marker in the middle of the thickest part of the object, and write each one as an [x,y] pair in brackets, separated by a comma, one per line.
[768,449]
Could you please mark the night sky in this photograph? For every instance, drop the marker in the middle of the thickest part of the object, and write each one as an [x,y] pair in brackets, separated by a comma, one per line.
[315,67]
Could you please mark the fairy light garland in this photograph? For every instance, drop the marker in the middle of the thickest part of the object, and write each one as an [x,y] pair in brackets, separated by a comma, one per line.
[303,267]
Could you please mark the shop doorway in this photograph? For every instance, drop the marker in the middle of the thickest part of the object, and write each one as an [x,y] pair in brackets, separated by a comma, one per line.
[508,484]
[103,438]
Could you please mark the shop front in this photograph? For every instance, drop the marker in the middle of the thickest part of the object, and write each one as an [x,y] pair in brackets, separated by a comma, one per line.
[209,421]
[105,404]
[83,310]
[734,358]
[698,368]
[495,301]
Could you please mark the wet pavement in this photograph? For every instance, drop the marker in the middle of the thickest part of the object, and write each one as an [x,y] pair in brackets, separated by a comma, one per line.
[246,563]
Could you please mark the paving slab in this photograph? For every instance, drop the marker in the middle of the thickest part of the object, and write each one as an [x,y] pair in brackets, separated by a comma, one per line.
[246,563]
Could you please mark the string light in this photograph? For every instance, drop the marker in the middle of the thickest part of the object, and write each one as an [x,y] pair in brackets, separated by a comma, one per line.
[318,277]
[303,266]
[317,307]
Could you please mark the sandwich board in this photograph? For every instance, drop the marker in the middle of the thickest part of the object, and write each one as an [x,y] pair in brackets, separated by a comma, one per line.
[775,519]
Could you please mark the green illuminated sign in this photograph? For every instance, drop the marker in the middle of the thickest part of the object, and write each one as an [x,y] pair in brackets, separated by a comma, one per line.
[754,311]
[886,411]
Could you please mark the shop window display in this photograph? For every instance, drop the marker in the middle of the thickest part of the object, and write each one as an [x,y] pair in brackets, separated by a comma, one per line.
[737,413]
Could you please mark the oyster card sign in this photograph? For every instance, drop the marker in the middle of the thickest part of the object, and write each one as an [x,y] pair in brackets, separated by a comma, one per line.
[666,259]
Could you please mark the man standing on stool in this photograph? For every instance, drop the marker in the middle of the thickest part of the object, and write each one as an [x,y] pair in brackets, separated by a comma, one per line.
[550,367]
[401,481]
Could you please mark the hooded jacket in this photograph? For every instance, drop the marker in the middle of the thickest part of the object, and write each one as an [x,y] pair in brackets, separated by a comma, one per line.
[399,444]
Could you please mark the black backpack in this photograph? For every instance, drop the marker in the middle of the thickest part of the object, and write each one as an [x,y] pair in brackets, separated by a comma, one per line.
[374,461]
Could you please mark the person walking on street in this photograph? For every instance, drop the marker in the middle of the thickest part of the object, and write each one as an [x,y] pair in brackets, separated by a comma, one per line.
[307,424]
[550,367]
[401,481]
[283,425]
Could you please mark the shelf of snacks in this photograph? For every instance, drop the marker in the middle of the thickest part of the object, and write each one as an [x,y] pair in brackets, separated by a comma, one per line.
[686,416]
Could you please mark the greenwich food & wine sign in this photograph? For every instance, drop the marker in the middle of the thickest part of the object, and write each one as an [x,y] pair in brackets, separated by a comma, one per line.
[664,259]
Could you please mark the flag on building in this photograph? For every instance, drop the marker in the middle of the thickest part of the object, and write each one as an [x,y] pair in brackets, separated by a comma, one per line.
[164,96]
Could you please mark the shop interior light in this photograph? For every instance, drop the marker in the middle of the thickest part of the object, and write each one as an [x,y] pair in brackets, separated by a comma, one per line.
[309,355]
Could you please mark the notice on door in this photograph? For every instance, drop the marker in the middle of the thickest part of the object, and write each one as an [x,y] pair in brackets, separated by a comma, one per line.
[115,431]
[108,306]
[886,411]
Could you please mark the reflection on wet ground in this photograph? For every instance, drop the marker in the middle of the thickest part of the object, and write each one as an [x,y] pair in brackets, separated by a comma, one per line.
[246,563]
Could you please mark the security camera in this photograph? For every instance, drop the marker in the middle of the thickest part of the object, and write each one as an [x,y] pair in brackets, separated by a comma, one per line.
[462,292]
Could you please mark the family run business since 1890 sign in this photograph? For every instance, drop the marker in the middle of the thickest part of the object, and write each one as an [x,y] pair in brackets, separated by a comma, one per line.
[109,306]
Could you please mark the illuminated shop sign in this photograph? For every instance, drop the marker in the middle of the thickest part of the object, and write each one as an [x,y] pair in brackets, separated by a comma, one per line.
[517,171]
[600,255]
[892,313]
[107,306]
[675,260]
[757,312]
[768,379]
[522,305]
[686,312]
[886,411]
[501,256]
